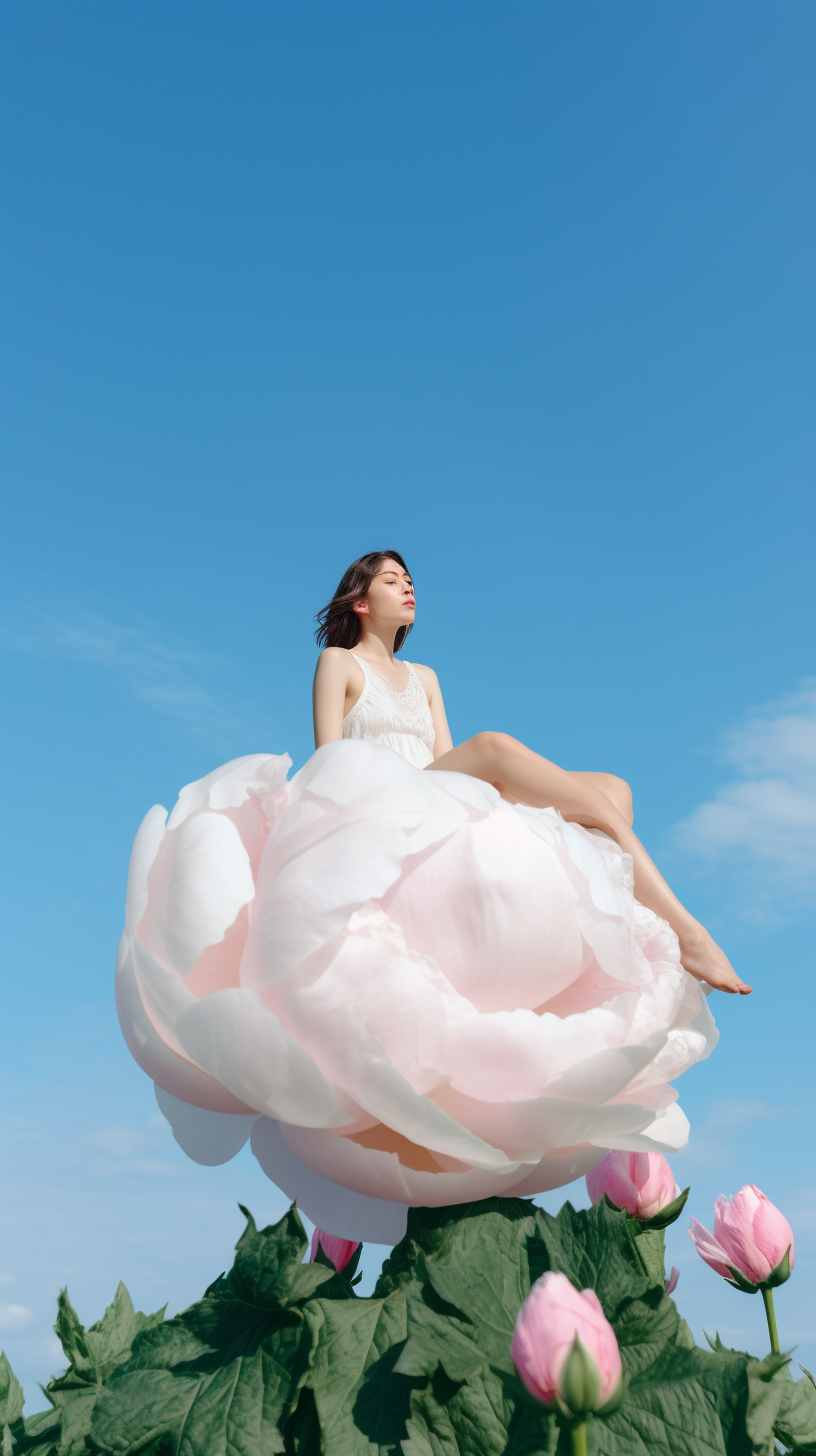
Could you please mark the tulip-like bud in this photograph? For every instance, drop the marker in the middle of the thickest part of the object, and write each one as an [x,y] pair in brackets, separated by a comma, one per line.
[564,1348]
[642,1183]
[670,1284]
[339,1251]
[752,1243]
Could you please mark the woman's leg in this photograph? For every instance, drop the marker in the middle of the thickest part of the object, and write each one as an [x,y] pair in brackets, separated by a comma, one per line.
[616,790]
[527,778]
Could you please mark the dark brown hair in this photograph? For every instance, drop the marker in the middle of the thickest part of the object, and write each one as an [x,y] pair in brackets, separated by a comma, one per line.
[339,623]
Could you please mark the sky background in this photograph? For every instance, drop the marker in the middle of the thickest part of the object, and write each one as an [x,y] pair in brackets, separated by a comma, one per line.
[524,291]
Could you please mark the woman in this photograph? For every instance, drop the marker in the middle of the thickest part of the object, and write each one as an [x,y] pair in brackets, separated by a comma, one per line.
[364,625]
[412,974]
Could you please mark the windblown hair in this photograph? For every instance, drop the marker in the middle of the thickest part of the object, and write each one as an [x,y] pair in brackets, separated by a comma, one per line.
[339,623]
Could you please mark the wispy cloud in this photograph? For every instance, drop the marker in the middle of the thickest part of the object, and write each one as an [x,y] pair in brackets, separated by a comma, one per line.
[160,671]
[14,1317]
[142,1148]
[761,826]
[719,1140]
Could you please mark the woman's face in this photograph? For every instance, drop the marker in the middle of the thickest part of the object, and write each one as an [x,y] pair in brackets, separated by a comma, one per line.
[390,599]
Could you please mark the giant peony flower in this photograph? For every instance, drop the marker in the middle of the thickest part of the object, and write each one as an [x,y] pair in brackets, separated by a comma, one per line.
[403,989]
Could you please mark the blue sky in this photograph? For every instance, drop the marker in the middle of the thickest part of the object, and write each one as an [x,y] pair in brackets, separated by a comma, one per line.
[524,291]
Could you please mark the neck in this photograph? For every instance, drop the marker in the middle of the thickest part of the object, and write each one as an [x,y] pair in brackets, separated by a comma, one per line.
[376,642]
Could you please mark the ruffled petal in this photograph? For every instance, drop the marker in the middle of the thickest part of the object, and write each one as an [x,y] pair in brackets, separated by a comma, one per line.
[235,1038]
[229,786]
[199,880]
[170,1069]
[210,1138]
[509,936]
[350,1214]
[145,848]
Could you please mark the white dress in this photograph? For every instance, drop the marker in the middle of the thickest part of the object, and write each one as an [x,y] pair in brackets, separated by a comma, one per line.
[402,989]
[398,720]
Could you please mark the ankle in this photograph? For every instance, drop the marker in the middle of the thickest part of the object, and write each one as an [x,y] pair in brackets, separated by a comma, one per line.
[692,935]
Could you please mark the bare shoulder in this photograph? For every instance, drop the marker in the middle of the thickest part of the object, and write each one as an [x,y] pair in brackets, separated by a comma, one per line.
[334,662]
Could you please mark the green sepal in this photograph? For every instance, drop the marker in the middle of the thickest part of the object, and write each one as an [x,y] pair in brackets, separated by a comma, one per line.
[780,1274]
[579,1381]
[668,1214]
[738,1281]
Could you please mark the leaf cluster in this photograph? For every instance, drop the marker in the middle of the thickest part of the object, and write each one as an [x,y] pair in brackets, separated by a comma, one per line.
[284,1357]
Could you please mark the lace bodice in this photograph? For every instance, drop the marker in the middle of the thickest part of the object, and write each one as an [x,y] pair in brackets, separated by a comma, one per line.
[401,721]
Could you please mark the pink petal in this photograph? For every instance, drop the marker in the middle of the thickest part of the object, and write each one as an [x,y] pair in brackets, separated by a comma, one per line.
[708,1249]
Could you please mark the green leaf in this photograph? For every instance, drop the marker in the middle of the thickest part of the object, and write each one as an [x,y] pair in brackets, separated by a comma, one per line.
[767,1380]
[283,1357]
[92,1354]
[795,1424]
[466,1286]
[11,1406]
[70,1332]
[268,1270]
[226,1376]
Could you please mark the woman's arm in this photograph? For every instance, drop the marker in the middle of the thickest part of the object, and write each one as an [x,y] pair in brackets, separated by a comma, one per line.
[331,683]
[442,735]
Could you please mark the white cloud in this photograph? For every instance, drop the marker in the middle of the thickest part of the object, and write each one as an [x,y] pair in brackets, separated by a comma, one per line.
[165,674]
[761,826]
[14,1317]
[120,1148]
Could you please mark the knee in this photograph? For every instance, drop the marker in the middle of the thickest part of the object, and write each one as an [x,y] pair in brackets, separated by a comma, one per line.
[494,747]
[620,794]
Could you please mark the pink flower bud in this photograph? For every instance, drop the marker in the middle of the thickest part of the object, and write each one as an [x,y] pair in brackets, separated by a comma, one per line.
[670,1284]
[338,1250]
[750,1235]
[551,1316]
[642,1183]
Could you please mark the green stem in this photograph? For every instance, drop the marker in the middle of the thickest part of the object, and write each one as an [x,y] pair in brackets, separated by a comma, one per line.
[767,1295]
[579,1441]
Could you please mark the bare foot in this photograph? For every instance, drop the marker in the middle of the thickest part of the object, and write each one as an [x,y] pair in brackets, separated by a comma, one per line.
[702,957]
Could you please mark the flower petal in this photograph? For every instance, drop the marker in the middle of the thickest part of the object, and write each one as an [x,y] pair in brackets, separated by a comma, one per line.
[200,879]
[210,1138]
[237,1039]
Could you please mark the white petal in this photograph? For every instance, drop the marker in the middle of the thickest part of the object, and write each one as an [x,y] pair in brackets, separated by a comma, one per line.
[171,1070]
[200,879]
[145,848]
[210,1138]
[322,1017]
[228,786]
[349,1215]
[495,909]
[667,1132]
[504,1056]
[235,1038]
[530,1129]
[380,1175]
[607,1073]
